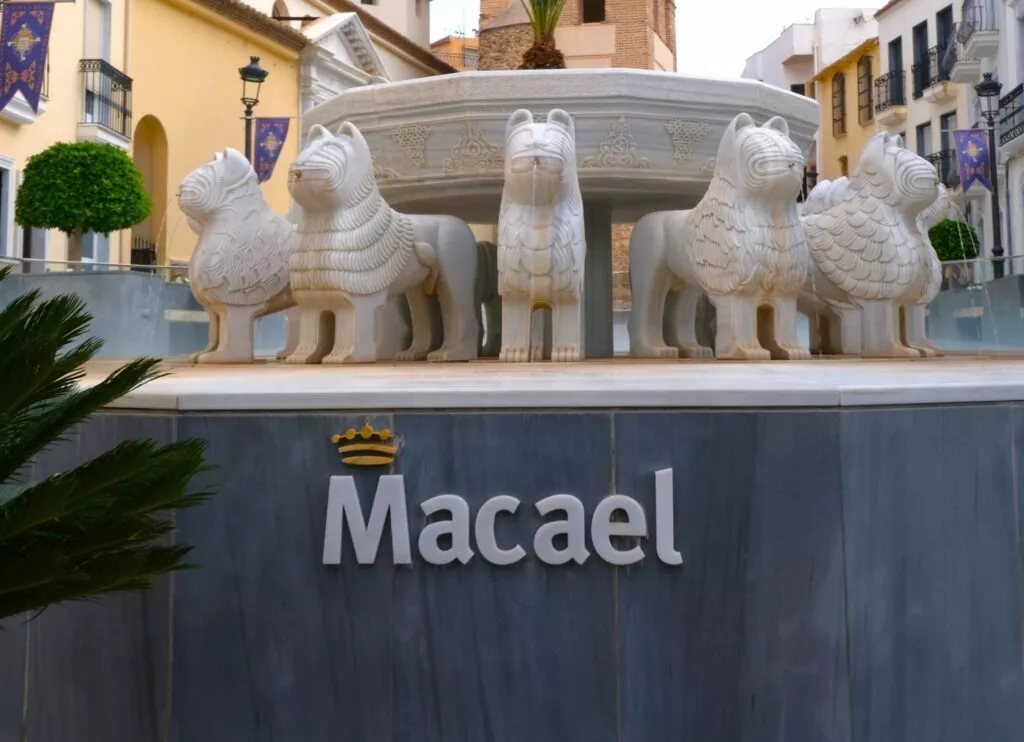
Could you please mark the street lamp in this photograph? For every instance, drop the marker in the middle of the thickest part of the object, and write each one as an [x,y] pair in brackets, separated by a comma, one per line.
[988,95]
[252,78]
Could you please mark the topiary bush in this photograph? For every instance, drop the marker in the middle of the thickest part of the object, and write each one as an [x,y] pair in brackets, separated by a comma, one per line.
[954,240]
[82,187]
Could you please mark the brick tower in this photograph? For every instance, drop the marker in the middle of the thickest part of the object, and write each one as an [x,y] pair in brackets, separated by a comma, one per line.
[639,34]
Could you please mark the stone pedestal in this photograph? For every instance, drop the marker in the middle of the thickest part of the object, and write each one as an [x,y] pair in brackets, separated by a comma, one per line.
[597,289]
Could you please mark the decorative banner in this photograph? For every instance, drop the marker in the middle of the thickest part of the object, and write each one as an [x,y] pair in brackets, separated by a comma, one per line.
[24,41]
[270,137]
[972,157]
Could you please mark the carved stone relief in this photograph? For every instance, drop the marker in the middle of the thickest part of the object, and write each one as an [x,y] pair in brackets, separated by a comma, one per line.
[412,138]
[473,154]
[686,135]
[382,173]
[618,150]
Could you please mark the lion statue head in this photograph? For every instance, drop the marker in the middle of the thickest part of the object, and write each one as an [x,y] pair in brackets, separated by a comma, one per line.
[331,170]
[897,176]
[211,188]
[540,158]
[760,162]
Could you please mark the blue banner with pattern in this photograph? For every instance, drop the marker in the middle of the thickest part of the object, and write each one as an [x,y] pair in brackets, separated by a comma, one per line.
[270,137]
[24,41]
[972,158]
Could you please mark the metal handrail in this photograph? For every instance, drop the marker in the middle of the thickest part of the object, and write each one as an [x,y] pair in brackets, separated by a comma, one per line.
[890,90]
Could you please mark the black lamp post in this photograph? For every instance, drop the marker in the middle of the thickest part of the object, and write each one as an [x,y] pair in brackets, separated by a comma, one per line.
[988,94]
[252,78]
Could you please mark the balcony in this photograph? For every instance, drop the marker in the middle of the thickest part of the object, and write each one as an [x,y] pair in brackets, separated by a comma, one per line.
[962,67]
[931,77]
[464,62]
[107,104]
[980,28]
[945,165]
[891,98]
[1011,122]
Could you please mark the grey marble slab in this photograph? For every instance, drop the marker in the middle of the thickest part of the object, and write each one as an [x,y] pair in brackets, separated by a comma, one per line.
[745,640]
[933,581]
[99,672]
[521,652]
[269,643]
[14,637]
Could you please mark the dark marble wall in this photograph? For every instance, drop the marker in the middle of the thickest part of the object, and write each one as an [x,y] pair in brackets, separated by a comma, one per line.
[848,576]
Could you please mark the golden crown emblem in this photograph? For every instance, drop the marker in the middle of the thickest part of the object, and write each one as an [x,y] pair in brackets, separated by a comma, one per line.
[366,446]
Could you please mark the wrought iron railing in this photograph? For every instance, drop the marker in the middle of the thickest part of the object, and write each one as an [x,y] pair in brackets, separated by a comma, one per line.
[891,90]
[929,71]
[945,165]
[954,48]
[108,96]
[143,252]
[1011,115]
[979,15]
[464,61]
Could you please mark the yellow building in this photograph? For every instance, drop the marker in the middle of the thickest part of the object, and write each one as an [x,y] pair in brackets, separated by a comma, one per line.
[844,90]
[160,79]
[461,52]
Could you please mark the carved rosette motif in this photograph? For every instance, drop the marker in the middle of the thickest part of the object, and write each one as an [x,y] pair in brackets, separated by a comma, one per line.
[618,150]
[686,135]
[710,165]
[473,154]
[412,139]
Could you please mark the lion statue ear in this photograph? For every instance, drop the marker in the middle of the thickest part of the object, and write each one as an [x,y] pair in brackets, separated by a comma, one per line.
[350,131]
[726,146]
[558,117]
[234,157]
[517,119]
[778,124]
[318,132]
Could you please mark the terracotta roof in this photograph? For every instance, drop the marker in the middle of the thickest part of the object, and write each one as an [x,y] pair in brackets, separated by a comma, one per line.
[246,15]
[887,7]
[376,26]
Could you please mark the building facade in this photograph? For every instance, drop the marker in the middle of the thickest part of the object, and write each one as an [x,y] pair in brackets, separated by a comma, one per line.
[160,79]
[844,91]
[461,52]
[787,62]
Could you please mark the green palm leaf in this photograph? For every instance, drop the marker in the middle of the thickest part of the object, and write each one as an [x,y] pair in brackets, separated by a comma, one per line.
[102,526]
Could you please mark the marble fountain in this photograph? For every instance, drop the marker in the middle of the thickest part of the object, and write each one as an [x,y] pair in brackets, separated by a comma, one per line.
[535,547]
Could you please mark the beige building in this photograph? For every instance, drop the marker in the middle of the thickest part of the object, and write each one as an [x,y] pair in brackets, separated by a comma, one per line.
[640,34]
[461,52]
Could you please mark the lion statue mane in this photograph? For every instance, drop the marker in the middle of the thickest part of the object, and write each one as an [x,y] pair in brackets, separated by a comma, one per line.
[355,254]
[541,244]
[742,246]
[239,269]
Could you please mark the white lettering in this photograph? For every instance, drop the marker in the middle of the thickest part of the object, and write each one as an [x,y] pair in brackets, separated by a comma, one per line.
[486,541]
[664,518]
[574,527]
[602,528]
[457,527]
[343,506]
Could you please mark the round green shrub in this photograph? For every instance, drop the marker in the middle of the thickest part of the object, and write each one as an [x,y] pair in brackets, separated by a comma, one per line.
[954,240]
[83,186]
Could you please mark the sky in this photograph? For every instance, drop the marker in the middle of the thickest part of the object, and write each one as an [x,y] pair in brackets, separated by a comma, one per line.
[713,37]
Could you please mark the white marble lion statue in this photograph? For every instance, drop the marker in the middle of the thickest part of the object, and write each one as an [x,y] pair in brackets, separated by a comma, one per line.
[872,262]
[355,252]
[743,246]
[541,244]
[488,301]
[239,269]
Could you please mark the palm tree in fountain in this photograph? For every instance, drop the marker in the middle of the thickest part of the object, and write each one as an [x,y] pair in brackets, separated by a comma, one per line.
[543,54]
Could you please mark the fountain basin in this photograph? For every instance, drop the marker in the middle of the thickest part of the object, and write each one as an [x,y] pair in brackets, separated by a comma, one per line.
[644,140]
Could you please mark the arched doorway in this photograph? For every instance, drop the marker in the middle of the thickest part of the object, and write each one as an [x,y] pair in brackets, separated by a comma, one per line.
[149,238]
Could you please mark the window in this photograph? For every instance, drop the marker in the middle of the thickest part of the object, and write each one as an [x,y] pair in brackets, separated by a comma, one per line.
[844,166]
[838,104]
[924,139]
[799,88]
[944,27]
[367,2]
[97,30]
[920,69]
[95,248]
[865,112]
[593,11]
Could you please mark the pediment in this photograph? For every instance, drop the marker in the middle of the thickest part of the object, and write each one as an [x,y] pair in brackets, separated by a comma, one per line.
[344,36]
